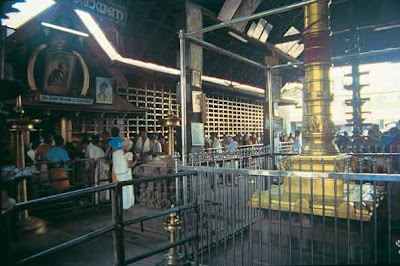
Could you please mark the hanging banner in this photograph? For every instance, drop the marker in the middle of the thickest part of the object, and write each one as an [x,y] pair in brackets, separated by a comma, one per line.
[101,8]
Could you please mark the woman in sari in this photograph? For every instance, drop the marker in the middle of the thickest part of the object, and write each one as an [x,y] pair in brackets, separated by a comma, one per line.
[122,164]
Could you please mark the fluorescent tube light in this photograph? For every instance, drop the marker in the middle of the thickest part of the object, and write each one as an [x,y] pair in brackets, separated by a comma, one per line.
[60,28]
[112,53]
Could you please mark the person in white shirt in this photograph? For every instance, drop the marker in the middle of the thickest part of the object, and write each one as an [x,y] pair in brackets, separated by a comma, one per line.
[144,147]
[93,151]
[157,148]
[231,145]
[297,142]
[94,165]
[214,143]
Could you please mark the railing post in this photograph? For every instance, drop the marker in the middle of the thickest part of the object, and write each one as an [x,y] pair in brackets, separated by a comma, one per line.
[118,219]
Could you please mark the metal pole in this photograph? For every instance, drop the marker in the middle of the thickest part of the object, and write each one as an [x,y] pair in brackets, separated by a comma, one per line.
[183,94]
[220,50]
[3,50]
[270,114]
[270,12]
[118,233]
[294,65]
[365,54]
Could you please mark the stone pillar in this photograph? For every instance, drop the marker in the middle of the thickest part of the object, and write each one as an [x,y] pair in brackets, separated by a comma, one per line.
[194,55]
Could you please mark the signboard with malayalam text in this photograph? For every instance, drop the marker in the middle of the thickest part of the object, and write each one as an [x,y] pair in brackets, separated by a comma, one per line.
[101,8]
[65,99]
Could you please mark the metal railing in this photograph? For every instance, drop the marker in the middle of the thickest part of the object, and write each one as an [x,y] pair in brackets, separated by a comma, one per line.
[254,216]
[342,218]
[118,223]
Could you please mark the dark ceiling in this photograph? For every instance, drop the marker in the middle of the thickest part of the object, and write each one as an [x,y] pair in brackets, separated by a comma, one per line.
[151,33]
[153,24]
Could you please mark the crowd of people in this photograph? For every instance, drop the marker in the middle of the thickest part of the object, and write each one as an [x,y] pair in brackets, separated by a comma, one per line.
[375,140]
[294,138]
[231,143]
[123,154]
[51,148]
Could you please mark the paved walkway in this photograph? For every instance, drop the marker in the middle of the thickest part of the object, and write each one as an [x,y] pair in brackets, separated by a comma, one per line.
[98,251]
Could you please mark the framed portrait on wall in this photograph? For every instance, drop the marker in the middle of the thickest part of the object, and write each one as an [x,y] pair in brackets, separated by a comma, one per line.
[59,69]
[197,101]
[196,78]
[104,90]
[197,130]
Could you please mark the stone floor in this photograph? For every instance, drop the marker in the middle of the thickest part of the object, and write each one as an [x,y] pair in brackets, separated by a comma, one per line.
[98,251]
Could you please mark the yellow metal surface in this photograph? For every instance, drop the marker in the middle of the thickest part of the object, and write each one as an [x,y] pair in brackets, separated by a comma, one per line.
[318,128]
[320,196]
[300,203]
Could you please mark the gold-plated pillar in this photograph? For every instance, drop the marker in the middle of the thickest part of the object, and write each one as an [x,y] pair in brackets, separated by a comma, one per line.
[319,153]
[318,128]
[320,195]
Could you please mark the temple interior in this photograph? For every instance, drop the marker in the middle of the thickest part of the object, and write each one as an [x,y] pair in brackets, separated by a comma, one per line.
[199,132]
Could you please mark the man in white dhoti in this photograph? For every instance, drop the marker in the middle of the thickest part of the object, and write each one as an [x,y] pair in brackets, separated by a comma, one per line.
[122,163]
[144,147]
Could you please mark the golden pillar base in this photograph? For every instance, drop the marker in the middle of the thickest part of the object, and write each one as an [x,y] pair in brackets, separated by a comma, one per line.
[308,163]
[318,196]
[297,203]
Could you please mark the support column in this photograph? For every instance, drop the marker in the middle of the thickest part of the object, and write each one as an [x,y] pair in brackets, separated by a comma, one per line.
[269,103]
[318,128]
[319,196]
[66,129]
[194,62]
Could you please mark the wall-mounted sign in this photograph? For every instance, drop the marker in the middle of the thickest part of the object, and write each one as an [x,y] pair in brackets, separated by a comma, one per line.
[197,134]
[63,99]
[101,8]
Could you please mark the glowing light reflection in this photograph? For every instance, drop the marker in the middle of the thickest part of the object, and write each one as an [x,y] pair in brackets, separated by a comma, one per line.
[112,53]
[27,11]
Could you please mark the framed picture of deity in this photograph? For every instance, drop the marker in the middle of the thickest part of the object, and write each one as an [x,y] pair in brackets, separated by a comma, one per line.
[59,70]
[196,78]
[104,90]
[197,100]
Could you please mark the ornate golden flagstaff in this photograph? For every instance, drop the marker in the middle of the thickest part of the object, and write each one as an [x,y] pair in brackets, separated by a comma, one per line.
[319,154]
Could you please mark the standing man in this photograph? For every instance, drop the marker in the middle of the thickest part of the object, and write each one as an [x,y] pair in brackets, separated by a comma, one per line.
[59,156]
[114,144]
[231,145]
[297,142]
[214,143]
[144,146]
[157,148]
[42,149]
[93,151]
